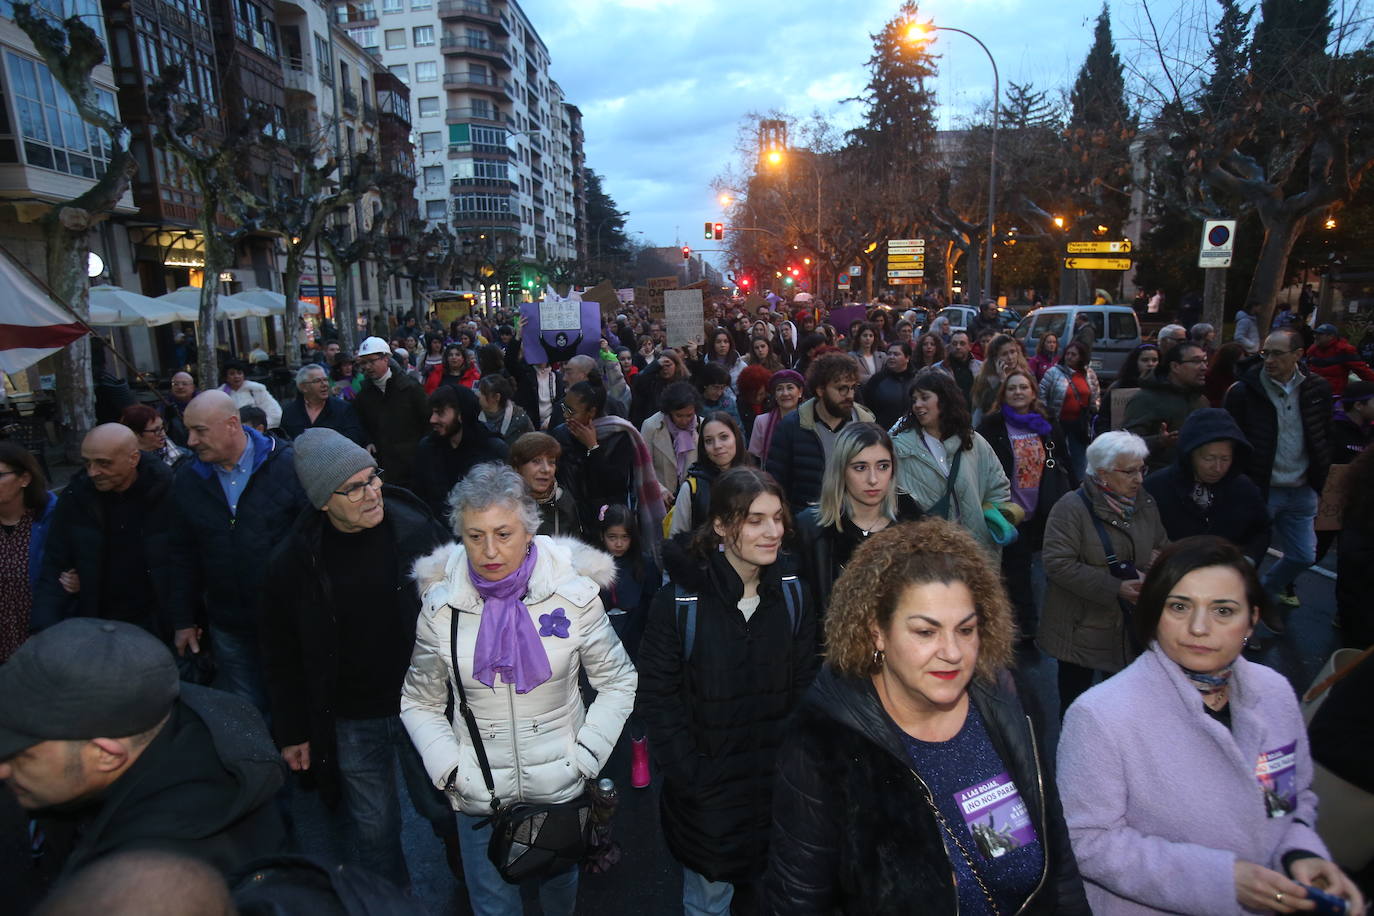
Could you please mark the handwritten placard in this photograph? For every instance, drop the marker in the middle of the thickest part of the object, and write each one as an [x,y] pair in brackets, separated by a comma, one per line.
[684,316]
[560,315]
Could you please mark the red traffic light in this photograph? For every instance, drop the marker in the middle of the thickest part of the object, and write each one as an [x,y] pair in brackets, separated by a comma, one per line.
[718,231]
[796,272]
[686,253]
[744,282]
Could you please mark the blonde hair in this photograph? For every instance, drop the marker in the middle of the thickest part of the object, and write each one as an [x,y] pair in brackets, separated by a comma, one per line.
[835,502]
[896,558]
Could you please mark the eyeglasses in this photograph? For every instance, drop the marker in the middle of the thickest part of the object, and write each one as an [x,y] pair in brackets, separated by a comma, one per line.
[355,492]
[373,358]
[1267,354]
[1129,472]
[159,430]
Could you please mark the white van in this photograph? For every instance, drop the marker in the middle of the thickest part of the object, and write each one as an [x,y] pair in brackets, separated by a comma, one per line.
[1117,328]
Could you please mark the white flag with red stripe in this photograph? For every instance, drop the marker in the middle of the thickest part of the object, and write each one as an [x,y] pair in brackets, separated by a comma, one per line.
[32,325]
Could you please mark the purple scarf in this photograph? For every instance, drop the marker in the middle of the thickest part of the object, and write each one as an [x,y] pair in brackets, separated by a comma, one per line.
[1032,420]
[506,641]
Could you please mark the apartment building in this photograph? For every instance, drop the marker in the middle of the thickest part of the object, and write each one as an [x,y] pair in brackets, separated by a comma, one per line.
[499,150]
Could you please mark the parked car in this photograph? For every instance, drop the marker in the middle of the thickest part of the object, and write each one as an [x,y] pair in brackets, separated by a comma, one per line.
[1116,326]
[961,316]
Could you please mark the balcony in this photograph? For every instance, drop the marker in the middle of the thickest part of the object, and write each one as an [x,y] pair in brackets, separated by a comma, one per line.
[469,82]
[472,219]
[298,75]
[476,115]
[349,99]
[500,185]
[393,105]
[369,114]
[467,10]
[459,150]
[491,51]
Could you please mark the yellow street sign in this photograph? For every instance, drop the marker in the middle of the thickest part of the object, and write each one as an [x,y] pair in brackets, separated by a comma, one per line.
[1097,263]
[906,258]
[1121,247]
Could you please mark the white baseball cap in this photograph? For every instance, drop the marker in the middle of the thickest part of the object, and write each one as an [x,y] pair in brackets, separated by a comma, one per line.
[374,345]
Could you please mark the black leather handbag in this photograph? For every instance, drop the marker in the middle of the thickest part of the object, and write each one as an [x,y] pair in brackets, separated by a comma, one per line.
[528,839]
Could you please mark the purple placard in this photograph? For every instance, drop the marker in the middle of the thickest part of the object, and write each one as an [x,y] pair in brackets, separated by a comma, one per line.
[533,341]
[995,816]
[1277,773]
[842,317]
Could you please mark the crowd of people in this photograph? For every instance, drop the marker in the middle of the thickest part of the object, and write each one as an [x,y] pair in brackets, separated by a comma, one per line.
[788,567]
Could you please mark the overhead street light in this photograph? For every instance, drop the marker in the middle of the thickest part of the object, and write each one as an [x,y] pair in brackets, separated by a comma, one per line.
[921,32]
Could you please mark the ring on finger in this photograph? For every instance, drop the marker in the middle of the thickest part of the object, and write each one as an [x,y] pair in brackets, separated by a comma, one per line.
[1278,896]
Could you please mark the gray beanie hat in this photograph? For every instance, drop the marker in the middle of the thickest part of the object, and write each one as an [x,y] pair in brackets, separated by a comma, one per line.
[324,460]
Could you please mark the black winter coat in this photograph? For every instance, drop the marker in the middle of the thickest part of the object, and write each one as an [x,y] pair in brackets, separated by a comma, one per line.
[526,380]
[604,476]
[299,634]
[886,395]
[644,392]
[1247,401]
[438,465]
[337,415]
[222,557]
[1237,512]
[395,422]
[853,830]
[715,721]
[796,458]
[817,546]
[994,430]
[205,787]
[77,539]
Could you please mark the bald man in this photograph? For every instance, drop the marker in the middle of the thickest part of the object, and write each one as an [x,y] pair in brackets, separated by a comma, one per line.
[183,390]
[233,503]
[107,554]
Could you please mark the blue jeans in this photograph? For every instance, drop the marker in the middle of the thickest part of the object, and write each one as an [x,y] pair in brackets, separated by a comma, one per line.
[367,752]
[1294,512]
[238,666]
[488,892]
[703,897]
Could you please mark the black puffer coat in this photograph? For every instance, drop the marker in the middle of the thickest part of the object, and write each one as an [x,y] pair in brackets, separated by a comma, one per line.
[796,458]
[299,635]
[1248,403]
[394,422]
[852,827]
[1237,512]
[715,721]
[887,396]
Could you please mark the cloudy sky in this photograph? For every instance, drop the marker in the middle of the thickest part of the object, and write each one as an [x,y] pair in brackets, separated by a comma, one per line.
[665,84]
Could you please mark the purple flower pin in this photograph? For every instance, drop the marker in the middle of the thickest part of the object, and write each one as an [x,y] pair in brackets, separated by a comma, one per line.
[555,624]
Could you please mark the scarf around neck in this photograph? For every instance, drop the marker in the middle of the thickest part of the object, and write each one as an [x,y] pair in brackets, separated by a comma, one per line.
[1123,506]
[1208,684]
[507,644]
[1032,420]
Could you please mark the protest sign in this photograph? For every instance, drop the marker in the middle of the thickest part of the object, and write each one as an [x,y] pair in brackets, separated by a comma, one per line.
[574,327]
[604,295]
[684,316]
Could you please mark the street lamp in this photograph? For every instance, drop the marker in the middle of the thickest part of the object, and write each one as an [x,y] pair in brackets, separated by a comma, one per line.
[919,32]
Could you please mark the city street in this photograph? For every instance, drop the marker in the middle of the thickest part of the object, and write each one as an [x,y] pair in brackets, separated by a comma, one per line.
[647,880]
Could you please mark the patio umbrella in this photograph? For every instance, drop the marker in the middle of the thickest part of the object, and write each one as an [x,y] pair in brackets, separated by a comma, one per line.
[128,308]
[189,296]
[32,324]
[273,301]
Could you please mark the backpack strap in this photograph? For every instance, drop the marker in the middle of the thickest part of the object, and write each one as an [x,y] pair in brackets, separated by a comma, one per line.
[792,596]
[686,619]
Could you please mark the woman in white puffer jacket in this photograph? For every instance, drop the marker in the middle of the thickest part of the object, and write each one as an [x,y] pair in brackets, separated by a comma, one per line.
[529,620]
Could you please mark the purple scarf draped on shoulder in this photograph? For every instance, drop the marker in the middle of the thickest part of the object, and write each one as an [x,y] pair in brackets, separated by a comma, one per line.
[507,644]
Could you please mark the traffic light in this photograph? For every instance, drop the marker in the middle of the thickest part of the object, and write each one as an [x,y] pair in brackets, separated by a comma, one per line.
[686,253]
[796,271]
[787,280]
[718,231]
[744,282]
[709,232]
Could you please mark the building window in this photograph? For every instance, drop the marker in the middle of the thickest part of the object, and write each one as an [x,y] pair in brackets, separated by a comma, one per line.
[481,203]
[393,6]
[401,72]
[434,176]
[431,141]
[429,106]
[395,39]
[423,36]
[421,4]
[54,136]
[365,37]
[426,71]
[324,59]
[436,209]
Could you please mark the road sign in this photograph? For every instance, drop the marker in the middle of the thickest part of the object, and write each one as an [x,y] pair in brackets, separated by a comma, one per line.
[1097,263]
[891,242]
[907,249]
[1121,247]
[905,281]
[906,258]
[856,270]
[1218,239]
[842,282]
[906,273]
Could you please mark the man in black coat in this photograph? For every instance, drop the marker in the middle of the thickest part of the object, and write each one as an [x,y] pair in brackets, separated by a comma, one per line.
[458,440]
[97,729]
[233,502]
[337,633]
[803,440]
[392,408]
[1286,415]
[107,553]
[317,408]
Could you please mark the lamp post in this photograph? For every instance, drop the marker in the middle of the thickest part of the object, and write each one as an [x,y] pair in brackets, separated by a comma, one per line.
[921,33]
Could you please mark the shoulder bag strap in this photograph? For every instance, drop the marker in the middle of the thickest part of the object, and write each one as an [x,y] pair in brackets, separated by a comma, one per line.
[468,718]
[941,507]
[1112,559]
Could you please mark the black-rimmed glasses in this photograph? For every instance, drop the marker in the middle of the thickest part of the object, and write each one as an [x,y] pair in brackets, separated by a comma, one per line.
[354,493]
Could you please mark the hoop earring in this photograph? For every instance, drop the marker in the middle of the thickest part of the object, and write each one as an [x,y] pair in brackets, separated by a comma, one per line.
[878,658]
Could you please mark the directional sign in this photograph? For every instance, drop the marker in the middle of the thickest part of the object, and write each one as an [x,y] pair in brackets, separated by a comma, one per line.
[906,273]
[1121,247]
[907,258]
[904,281]
[906,249]
[1097,263]
[891,242]
[1218,239]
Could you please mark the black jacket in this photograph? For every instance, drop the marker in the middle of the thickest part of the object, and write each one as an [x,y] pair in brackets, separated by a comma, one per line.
[78,539]
[1160,402]
[299,634]
[1237,512]
[221,556]
[395,422]
[796,458]
[337,415]
[715,721]
[993,428]
[852,825]
[886,395]
[816,547]
[605,476]
[204,787]
[526,379]
[644,392]
[1348,440]
[1247,401]
[438,465]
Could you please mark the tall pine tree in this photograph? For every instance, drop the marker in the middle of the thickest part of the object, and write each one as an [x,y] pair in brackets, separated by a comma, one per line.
[1289,36]
[1230,61]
